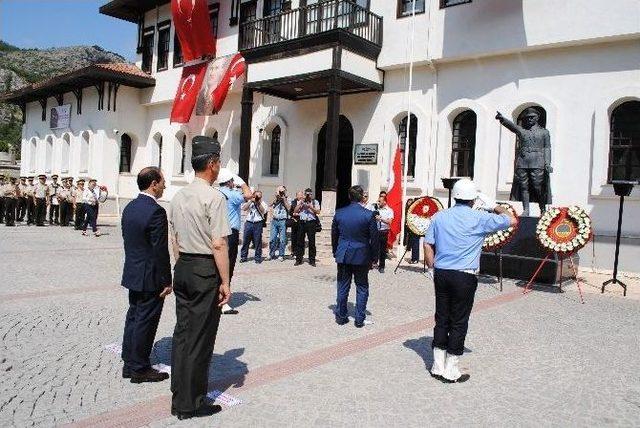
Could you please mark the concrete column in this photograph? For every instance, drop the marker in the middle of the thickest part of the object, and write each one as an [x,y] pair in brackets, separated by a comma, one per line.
[245,133]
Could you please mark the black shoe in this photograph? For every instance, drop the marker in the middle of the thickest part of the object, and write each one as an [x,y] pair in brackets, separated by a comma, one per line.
[126,373]
[381,270]
[243,260]
[205,410]
[463,378]
[342,321]
[148,375]
[313,263]
[297,263]
[258,261]
[358,324]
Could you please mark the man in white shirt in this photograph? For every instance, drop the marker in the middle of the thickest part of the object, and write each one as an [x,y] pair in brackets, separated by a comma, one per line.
[90,198]
[256,210]
[384,217]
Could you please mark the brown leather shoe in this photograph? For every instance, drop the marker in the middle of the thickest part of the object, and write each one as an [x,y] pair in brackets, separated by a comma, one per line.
[148,375]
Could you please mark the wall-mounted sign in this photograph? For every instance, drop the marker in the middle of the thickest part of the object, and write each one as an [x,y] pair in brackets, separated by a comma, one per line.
[60,117]
[366,154]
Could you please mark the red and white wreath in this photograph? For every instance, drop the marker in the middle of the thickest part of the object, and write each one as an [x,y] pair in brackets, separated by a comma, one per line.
[499,239]
[564,230]
[420,212]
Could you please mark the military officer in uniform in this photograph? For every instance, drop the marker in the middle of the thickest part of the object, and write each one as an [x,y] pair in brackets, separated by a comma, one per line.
[11,194]
[31,201]
[41,193]
[66,206]
[54,201]
[2,199]
[78,206]
[200,227]
[21,208]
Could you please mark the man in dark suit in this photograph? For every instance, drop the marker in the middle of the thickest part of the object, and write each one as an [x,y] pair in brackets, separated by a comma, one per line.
[354,239]
[147,275]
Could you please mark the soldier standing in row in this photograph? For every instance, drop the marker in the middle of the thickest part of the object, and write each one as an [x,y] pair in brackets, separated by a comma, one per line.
[11,194]
[2,198]
[54,202]
[78,206]
[31,201]
[22,200]
[64,196]
[41,193]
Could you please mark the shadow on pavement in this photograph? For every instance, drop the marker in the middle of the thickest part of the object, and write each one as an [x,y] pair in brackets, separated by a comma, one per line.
[239,299]
[351,309]
[422,347]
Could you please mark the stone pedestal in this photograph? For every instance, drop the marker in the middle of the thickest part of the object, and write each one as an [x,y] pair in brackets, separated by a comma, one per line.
[328,202]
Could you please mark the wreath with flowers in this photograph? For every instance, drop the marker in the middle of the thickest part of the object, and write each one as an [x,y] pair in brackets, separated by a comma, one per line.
[420,212]
[499,239]
[564,230]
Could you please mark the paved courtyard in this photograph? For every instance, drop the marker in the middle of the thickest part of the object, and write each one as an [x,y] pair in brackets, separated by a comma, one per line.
[540,359]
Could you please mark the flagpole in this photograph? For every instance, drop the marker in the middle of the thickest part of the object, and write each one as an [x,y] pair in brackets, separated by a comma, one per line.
[408,130]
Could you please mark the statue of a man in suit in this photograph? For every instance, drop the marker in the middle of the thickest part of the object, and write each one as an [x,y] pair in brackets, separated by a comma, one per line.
[533,161]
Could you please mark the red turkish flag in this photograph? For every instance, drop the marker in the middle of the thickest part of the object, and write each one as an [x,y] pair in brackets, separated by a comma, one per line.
[187,94]
[222,73]
[191,19]
[394,198]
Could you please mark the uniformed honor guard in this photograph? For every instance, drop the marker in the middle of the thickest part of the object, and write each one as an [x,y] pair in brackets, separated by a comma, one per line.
[11,194]
[2,198]
[41,193]
[21,209]
[54,201]
[66,206]
[31,201]
[201,279]
[78,206]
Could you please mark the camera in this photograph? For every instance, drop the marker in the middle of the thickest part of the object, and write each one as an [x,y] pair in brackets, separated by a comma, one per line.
[376,213]
[281,193]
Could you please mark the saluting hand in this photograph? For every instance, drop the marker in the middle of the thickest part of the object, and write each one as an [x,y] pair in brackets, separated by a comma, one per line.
[224,294]
[166,291]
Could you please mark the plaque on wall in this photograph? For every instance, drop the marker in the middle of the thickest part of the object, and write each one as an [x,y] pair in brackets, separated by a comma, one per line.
[365,154]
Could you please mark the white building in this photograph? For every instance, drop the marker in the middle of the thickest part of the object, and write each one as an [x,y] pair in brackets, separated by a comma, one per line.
[311,62]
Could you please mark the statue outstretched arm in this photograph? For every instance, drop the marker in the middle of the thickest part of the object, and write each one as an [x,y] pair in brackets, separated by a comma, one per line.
[509,124]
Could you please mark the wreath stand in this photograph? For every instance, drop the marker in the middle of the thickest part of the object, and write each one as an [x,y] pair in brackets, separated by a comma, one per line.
[498,254]
[574,271]
[406,250]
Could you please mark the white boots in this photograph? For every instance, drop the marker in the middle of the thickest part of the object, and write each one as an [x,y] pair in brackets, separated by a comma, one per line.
[439,357]
[445,367]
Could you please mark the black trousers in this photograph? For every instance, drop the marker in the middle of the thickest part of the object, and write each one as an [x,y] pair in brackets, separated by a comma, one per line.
[140,328]
[295,226]
[2,208]
[382,255]
[66,213]
[80,215]
[455,291]
[91,217]
[54,214]
[196,284]
[31,210]
[10,211]
[233,241]
[21,209]
[41,211]
[308,229]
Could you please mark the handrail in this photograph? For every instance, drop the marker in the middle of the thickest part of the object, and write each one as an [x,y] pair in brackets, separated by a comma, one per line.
[312,19]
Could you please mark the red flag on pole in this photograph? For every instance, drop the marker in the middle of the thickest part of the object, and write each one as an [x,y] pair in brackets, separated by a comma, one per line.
[394,197]
[187,94]
[221,75]
[191,20]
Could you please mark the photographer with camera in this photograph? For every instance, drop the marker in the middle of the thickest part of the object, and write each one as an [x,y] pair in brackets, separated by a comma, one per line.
[308,210]
[256,210]
[384,216]
[280,207]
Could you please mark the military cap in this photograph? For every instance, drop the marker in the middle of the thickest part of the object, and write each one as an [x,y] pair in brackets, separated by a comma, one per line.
[531,111]
[22,177]
[202,145]
[92,179]
[2,176]
[42,176]
[80,180]
[31,177]
[13,179]
[54,176]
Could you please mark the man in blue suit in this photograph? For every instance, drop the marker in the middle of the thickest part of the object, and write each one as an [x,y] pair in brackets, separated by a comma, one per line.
[354,239]
[146,273]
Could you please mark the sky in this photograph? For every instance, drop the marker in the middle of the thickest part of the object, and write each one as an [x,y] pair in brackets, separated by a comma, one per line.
[57,23]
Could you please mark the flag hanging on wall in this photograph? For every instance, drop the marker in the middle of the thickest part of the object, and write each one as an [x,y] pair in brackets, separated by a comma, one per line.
[394,197]
[221,74]
[191,20]
[187,94]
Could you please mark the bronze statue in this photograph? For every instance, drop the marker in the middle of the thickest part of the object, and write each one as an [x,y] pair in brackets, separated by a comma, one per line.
[533,161]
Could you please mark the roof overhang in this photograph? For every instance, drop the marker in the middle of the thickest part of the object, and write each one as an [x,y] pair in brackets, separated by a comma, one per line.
[130,10]
[82,78]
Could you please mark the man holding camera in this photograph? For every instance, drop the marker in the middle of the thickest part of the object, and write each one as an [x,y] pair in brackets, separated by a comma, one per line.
[384,216]
[256,210]
[308,210]
[280,207]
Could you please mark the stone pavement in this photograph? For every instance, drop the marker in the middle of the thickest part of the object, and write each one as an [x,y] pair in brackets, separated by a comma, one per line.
[540,359]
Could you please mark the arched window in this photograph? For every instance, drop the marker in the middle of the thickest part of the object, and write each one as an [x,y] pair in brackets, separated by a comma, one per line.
[402,134]
[157,150]
[48,155]
[32,155]
[274,164]
[125,153]
[624,142]
[84,152]
[66,152]
[463,144]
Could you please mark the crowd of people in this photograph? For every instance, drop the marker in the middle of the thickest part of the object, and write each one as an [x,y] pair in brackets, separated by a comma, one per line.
[65,203]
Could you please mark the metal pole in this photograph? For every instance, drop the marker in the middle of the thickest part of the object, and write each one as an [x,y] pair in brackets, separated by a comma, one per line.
[615,260]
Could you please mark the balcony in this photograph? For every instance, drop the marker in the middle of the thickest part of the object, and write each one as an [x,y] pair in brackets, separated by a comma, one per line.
[333,21]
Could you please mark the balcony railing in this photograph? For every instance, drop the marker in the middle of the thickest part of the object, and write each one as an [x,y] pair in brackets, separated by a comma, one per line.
[309,20]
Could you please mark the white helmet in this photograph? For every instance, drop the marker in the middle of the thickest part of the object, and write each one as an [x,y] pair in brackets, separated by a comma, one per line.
[225,175]
[465,190]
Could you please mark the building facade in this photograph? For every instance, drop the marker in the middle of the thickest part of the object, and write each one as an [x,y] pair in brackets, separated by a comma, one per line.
[326,76]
